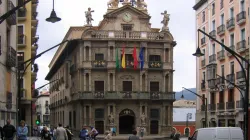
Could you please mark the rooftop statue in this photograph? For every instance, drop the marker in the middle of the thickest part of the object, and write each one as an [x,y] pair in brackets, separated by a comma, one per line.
[165,20]
[113,3]
[88,15]
[141,4]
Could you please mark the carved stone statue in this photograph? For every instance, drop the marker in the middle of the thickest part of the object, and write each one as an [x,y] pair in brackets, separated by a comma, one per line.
[141,4]
[165,20]
[143,119]
[88,15]
[113,3]
[111,118]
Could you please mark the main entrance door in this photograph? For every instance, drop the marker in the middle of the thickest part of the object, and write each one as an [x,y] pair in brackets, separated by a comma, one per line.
[126,121]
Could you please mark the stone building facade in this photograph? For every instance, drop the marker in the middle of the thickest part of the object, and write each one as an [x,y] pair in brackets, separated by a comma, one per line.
[92,91]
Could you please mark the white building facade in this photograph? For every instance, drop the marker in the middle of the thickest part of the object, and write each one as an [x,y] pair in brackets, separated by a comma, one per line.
[42,109]
[8,88]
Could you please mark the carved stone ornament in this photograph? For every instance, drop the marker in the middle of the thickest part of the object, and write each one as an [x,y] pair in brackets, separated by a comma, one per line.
[111,118]
[126,77]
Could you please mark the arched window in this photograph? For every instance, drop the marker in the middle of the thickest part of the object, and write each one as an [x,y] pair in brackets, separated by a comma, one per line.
[187,131]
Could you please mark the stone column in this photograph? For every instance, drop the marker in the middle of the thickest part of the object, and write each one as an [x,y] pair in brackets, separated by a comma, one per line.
[108,81]
[109,54]
[90,115]
[84,53]
[108,109]
[81,116]
[164,54]
[81,53]
[164,83]
[80,80]
[90,82]
[141,81]
[84,82]
[90,53]
[84,115]
[170,115]
[114,53]
[146,82]
[146,54]
[114,89]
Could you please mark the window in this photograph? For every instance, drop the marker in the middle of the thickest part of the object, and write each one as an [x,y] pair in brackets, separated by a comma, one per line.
[242,34]
[20,34]
[99,113]
[20,59]
[204,29]
[70,124]
[127,85]
[204,76]
[154,86]
[127,27]
[204,52]
[99,56]
[154,114]
[232,12]
[213,8]
[231,95]
[222,41]
[242,5]
[232,67]
[231,39]
[222,19]
[99,85]
[222,70]
[213,49]
[156,58]
[213,25]
[203,16]
[221,4]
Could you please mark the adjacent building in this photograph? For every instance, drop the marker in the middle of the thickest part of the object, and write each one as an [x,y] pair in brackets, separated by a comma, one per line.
[8,46]
[228,22]
[27,46]
[42,108]
[98,83]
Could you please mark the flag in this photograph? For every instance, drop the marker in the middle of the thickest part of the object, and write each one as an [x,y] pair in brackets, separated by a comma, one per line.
[135,58]
[141,56]
[123,57]
[117,63]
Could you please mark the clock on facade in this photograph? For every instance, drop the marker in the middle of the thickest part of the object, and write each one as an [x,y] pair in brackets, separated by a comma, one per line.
[127,17]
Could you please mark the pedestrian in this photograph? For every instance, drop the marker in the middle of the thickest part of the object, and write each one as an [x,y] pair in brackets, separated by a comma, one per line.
[9,131]
[134,136]
[93,132]
[113,131]
[69,133]
[83,133]
[108,136]
[61,133]
[142,130]
[22,131]
[54,134]
[45,135]
[1,132]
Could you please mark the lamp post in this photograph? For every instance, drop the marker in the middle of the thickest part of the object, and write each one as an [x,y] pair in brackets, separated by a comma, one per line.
[204,100]
[189,116]
[245,73]
[53,17]
[20,76]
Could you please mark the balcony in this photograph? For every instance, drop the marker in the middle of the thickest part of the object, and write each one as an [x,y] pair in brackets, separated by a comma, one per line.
[232,47]
[22,14]
[121,35]
[221,106]
[203,41]
[35,39]
[212,83]
[241,46]
[34,50]
[124,95]
[240,76]
[212,107]
[221,29]
[33,31]
[203,62]
[213,34]
[34,5]
[212,58]
[155,65]
[35,2]
[221,55]
[203,85]
[230,24]
[230,77]
[240,104]
[34,21]
[11,57]
[241,17]
[21,42]
[230,105]
[11,20]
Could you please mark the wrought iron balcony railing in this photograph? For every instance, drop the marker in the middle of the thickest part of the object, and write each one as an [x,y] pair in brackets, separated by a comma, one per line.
[221,29]
[212,58]
[212,107]
[155,65]
[220,106]
[221,55]
[213,33]
[231,78]
[241,46]
[230,23]
[241,17]
[230,105]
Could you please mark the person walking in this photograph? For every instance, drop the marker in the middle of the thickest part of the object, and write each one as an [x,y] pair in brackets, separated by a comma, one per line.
[54,133]
[93,132]
[83,133]
[69,133]
[61,133]
[134,136]
[108,136]
[1,132]
[45,134]
[9,131]
[22,131]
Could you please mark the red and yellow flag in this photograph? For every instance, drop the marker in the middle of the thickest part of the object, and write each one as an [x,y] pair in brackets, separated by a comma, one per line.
[123,57]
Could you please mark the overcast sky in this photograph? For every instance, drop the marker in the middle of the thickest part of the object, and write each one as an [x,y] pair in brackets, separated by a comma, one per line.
[181,25]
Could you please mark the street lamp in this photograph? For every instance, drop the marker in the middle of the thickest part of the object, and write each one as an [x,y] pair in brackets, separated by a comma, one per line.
[189,117]
[204,100]
[19,76]
[53,17]
[245,73]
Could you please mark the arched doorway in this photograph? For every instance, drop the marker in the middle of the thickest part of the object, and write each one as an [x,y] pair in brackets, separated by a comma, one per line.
[187,131]
[126,121]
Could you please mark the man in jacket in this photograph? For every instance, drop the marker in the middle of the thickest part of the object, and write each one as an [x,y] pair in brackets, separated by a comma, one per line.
[69,133]
[61,133]
[9,131]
